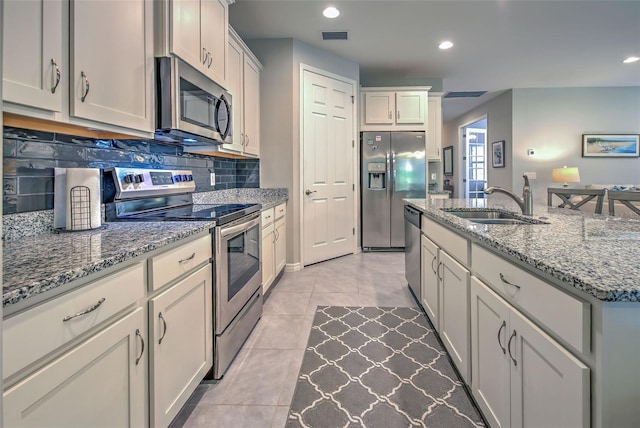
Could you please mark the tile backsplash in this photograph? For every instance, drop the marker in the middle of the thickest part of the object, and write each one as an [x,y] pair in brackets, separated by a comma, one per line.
[30,157]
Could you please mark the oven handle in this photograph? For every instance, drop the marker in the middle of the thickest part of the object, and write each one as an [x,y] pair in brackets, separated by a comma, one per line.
[226,231]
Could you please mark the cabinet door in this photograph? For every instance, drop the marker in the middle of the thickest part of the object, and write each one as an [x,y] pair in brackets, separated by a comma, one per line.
[33,72]
[268,257]
[281,245]
[454,317]
[101,382]
[411,107]
[181,333]
[434,128]
[112,68]
[215,32]
[235,62]
[490,361]
[549,386]
[185,32]
[430,281]
[251,103]
[379,108]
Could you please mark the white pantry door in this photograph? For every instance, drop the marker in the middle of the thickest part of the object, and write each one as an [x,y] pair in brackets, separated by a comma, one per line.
[328,156]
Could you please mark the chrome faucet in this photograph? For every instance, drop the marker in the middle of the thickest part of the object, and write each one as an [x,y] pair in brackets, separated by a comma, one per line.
[525,203]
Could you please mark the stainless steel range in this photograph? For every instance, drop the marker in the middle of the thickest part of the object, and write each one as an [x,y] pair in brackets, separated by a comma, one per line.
[166,195]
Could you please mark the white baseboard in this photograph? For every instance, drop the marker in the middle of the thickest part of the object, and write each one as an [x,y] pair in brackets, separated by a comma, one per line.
[293,267]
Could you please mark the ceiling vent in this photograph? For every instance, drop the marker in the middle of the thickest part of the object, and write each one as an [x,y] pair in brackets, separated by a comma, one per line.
[334,35]
[468,94]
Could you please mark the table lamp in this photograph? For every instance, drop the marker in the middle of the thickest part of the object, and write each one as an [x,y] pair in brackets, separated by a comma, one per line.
[565,175]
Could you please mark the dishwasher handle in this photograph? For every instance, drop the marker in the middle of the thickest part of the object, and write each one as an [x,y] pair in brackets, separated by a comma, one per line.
[412,215]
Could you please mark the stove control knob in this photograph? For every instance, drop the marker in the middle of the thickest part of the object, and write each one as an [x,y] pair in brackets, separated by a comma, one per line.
[177,178]
[184,177]
[189,177]
[139,178]
[128,179]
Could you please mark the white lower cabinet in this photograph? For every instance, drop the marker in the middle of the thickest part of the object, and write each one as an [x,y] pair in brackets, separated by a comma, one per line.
[268,264]
[430,283]
[521,376]
[454,316]
[181,336]
[280,254]
[274,244]
[100,382]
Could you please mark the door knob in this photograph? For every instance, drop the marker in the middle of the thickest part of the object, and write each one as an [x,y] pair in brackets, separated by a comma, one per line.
[308,192]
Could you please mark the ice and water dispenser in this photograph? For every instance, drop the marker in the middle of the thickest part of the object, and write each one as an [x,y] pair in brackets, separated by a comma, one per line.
[377,175]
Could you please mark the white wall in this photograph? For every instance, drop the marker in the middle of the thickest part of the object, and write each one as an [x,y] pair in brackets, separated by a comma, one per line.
[551,121]
[498,113]
[280,118]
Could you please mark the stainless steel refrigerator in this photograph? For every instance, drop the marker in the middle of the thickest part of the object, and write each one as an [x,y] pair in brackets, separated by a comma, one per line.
[393,167]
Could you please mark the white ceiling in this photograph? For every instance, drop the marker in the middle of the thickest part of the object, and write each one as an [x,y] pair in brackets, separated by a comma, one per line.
[499,45]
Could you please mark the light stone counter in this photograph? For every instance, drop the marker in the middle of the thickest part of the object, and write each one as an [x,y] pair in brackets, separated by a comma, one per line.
[39,264]
[596,254]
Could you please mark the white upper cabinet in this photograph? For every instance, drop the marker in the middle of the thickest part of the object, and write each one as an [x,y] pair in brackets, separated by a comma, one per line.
[434,127]
[34,73]
[199,35]
[111,63]
[87,63]
[394,109]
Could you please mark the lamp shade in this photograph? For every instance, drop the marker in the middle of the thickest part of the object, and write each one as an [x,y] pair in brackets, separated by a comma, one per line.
[565,175]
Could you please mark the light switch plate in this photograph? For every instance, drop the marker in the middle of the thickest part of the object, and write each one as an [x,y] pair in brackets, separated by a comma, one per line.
[213,178]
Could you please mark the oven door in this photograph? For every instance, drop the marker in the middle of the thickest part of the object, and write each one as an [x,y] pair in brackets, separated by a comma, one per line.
[238,268]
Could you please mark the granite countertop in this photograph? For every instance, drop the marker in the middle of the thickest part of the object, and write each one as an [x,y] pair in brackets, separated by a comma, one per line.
[37,264]
[597,254]
[266,197]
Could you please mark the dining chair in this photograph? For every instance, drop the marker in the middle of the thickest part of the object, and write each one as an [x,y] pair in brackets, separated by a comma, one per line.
[626,197]
[565,195]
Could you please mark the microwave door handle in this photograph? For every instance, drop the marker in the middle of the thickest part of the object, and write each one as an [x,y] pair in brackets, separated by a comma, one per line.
[239,228]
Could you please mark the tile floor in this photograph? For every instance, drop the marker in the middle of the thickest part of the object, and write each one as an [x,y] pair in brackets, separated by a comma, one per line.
[257,390]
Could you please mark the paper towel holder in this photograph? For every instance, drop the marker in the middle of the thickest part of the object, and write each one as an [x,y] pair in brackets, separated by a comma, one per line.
[77,202]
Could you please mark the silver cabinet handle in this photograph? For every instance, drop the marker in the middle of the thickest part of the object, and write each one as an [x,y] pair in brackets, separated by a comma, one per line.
[86,86]
[204,55]
[142,351]
[507,282]
[243,138]
[164,331]
[515,363]
[188,259]
[439,277]
[210,59]
[247,143]
[57,81]
[85,311]
[504,324]
[432,262]
[308,192]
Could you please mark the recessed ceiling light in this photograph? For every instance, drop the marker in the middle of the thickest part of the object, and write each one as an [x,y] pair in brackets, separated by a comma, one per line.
[631,59]
[445,45]
[331,12]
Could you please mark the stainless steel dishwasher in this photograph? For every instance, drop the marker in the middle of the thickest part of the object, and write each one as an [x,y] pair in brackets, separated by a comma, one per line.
[412,220]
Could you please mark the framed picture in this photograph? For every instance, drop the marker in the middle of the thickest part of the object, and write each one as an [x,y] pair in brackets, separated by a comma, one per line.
[610,145]
[497,154]
[447,154]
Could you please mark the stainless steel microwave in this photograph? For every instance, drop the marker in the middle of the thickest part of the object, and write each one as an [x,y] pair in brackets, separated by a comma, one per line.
[192,109]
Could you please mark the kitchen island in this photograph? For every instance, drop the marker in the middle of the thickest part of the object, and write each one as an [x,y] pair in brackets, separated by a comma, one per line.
[565,291]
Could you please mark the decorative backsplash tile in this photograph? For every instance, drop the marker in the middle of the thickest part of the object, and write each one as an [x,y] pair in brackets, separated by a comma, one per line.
[31,156]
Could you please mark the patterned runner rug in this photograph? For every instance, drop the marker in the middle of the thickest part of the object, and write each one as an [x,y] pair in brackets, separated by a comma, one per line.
[377,367]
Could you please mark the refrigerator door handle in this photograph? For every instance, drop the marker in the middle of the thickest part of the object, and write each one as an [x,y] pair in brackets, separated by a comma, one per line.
[389,175]
[393,170]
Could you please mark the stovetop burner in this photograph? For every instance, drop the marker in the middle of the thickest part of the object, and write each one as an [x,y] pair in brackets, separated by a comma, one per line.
[221,213]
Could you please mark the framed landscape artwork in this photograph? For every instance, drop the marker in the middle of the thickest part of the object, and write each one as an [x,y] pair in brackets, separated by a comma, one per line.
[610,145]
[497,154]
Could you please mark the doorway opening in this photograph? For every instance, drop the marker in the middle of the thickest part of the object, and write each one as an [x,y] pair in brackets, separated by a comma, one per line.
[474,136]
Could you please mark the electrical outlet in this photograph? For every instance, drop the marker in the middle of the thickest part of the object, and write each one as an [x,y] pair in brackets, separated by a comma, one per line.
[433,176]
[531,175]
[212,178]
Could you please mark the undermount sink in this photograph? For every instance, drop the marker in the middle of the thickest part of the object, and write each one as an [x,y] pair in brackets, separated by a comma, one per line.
[492,216]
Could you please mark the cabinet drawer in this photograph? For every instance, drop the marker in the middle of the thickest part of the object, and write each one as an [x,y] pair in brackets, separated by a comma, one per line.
[451,242]
[34,333]
[566,316]
[170,265]
[267,217]
[281,210]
